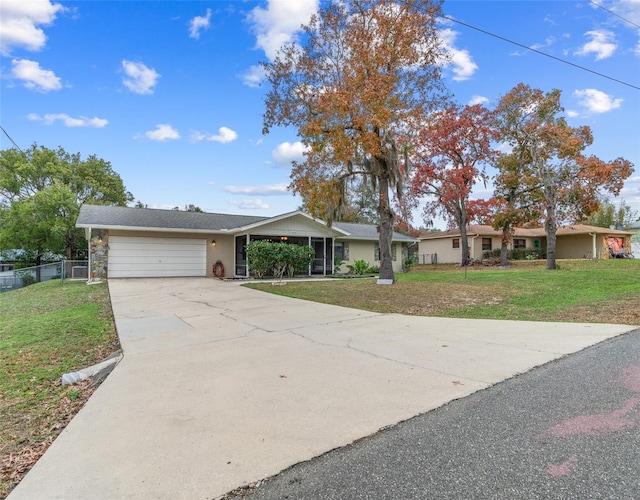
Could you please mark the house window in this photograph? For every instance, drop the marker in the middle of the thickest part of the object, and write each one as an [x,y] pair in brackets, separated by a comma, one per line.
[486,243]
[456,242]
[341,250]
[519,243]
[394,253]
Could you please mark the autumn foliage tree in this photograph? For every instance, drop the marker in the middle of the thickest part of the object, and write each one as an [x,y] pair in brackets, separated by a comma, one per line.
[514,202]
[449,157]
[367,71]
[548,156]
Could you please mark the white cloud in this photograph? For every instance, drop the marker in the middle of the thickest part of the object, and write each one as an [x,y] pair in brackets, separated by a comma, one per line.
[162,133]
[254,204]
[287,152]
[69,121]
[460,61]
[199,23]
[478,99]
[254,76]
[601,44]
[265,190]
[572,114]
[19,21]
[224,136]
[140,78]
[280,22]
[548,42]
[34,77]
[627,9]
[597,101]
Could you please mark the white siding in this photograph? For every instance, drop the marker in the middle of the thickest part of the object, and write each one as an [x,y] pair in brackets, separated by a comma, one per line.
[139,256]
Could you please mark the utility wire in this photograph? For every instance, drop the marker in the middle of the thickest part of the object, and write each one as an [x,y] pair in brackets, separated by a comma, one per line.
[539,52]
[614,14]
[13,142]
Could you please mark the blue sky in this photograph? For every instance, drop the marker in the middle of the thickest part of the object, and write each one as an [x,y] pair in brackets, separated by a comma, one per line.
[169,92]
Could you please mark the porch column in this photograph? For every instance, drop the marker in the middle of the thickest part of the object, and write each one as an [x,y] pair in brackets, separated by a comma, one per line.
[247,273]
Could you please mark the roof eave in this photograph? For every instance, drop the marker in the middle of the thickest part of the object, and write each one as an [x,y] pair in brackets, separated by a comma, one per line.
[152,229]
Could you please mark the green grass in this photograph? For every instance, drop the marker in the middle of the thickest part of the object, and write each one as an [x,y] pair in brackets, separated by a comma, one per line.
[46,330]
[606,291]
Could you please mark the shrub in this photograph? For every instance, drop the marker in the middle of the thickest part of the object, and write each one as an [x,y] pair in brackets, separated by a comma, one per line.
[517,254]
[359,267]
[408,264]
[276,259]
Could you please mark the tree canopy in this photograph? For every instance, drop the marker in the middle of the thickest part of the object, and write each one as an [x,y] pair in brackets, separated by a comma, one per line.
[450,155]
[366,74]
[610,215]
[41,191]
[548,156]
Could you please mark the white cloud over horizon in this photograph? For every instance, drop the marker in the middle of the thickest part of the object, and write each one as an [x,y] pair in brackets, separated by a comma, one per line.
[265,190]
[287,152]
[279,23]
[224,136]
[198,24]
[252,204]
[461,62]
[597,101]
[69,121]
[34,77]
[478,99]
[20,21]
[253,77]
[140,78]
[162,132]
[601,44]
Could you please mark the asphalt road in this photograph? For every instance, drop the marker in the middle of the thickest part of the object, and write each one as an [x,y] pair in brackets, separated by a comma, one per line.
[567,430]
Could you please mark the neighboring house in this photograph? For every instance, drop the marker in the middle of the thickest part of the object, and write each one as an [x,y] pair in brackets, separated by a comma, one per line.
[139,242]
[635,241]
[6,264]
[572,242]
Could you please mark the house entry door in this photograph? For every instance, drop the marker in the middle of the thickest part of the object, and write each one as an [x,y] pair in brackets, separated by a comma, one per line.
[317,266]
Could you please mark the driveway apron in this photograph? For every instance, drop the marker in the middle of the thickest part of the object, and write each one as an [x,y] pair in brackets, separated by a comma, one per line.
[221,386]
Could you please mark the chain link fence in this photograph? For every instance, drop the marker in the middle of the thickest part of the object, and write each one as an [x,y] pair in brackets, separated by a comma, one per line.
[62,270]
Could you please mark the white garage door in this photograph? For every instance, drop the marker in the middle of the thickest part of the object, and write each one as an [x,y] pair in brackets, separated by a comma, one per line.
[141,257]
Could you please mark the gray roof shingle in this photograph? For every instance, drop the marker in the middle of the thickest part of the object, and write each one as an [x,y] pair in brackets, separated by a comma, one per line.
[101,216]
[108,216]
[368,231]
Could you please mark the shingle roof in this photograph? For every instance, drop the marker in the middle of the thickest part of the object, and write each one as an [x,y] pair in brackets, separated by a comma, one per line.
[481,230]
[145,218]
[368,231]
[108,217]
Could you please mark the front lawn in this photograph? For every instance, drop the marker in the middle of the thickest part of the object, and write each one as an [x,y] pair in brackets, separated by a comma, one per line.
[604,291]
[46,330]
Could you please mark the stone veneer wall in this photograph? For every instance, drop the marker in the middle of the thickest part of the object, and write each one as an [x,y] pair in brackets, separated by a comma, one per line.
[99,249]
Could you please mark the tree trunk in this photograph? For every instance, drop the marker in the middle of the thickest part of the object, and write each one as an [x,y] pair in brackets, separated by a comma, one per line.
[464,239]
[386,232]
[506,236]
[551,227]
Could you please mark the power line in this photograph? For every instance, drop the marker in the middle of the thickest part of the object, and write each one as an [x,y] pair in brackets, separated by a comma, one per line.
[614,14]
[13,142]
[539,52]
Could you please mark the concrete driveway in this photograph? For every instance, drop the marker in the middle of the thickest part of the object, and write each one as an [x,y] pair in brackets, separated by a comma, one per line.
[221,386]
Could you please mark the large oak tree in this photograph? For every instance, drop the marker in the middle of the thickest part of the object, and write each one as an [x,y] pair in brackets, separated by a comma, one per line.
[450,155]
[549,158]
[366,73]
[41,191]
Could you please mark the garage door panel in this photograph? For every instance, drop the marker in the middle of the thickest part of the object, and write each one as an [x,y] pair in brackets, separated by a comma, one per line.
[137,257]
